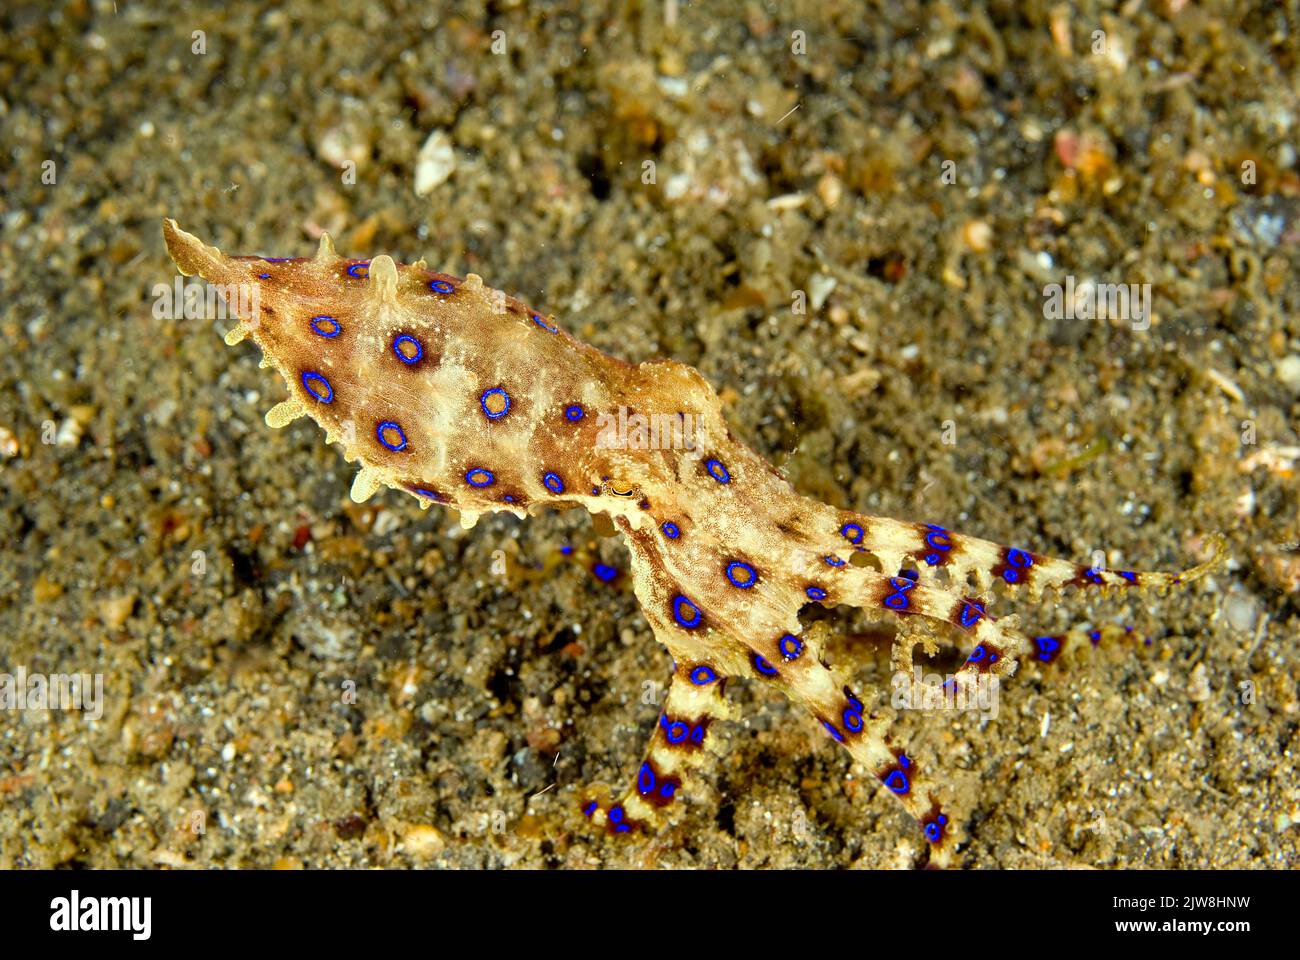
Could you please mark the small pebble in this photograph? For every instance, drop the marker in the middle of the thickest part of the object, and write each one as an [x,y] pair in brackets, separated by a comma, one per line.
[423,841]
[1241,609]
[1288,371]
[113,611]
[436,162]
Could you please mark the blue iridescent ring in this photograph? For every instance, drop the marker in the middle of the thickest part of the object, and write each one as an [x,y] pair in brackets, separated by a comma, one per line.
[686,614]
[504,401]
[317,386]
[675,731]
[853,533]
[670,530]
[479,477]
[359,271]
[407,348]
[441,286]
[326,326]
[741,574]
[384,432]
[544,325]
[718,471]
[896,781]
[574,412]
[790,646]
[703,675]
[552,482]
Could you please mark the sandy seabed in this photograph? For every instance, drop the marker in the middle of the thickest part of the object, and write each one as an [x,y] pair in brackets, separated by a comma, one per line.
[667,179]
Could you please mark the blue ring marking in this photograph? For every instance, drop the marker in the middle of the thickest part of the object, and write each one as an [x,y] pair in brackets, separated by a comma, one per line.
[667,790]
[479,477]
[703,675]
[483,402]
[1017,560]
[645,779]
[616,819]
[441,286]
[852,720]
[331,324]
[977,654]
[566,549]
[815,593]
[574,412]
[697,735]
[898,600]
[853,533]
[938,539]
[833,561]
[903,761]
[363,267]
[324,393]
[427,493]
[718,471]
[790,646]
[605,572]
[693,618]
[402,338]
[1048,647]
[934,830]
[552,482]
[741,574]
[544,325]
[675,731]
[763,667]
[839,737]
[589,809]
[896,780]
[972,612]
[387,426]
[264,276]
[670,530]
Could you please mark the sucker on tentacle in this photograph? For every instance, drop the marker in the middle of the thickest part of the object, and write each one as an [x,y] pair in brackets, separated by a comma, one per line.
[463,396]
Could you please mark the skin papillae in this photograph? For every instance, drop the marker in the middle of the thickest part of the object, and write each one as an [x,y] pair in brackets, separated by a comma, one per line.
[461,395]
